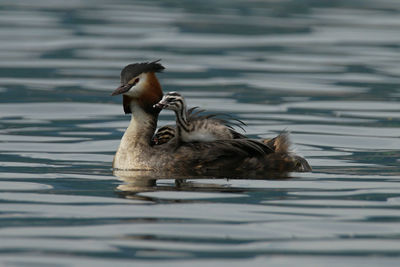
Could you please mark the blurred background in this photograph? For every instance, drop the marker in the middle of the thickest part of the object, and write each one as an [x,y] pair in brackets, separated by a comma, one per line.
[327,71]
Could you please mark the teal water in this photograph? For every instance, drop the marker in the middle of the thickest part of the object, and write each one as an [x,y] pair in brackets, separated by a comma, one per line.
[327,71]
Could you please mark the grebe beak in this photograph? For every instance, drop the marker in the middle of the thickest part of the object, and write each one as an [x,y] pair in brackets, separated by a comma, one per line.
[122,89]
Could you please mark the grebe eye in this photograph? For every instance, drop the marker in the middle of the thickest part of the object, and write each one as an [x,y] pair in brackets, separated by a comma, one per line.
[136,81]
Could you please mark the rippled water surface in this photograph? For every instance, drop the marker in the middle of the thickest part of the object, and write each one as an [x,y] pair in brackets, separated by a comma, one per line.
[328,71]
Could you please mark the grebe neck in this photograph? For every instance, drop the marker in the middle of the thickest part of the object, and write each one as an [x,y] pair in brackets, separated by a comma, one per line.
[141,127]
[135,148]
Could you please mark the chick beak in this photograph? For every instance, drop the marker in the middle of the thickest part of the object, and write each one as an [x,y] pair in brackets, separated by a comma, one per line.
[122,89]
[159,105]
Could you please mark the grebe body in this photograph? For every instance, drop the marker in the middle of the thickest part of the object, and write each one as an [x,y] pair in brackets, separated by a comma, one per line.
[141,92]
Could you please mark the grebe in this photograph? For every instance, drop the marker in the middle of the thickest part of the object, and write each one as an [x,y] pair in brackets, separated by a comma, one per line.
[168,132]
[192,128]
[163,135]
[233,157]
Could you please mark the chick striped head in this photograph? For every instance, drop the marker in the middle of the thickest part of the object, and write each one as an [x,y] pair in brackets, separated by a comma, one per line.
[171,101]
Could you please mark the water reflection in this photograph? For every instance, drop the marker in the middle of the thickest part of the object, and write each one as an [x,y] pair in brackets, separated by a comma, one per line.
[138,181]
[172,190]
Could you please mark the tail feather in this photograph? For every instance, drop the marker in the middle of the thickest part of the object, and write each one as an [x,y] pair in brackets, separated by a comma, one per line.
[280,144]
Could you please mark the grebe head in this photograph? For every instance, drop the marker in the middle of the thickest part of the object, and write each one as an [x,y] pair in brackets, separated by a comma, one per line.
[139,82]
[171,101]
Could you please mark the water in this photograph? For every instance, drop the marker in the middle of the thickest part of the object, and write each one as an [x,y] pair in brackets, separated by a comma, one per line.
[328,71]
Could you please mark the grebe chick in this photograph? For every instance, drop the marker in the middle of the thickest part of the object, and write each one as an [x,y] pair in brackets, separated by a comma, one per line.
[280,143]
[166,133]
[141,90]
[193,128]
[163,135]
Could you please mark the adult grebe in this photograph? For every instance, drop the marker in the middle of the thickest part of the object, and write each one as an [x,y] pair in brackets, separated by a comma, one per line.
[237,157]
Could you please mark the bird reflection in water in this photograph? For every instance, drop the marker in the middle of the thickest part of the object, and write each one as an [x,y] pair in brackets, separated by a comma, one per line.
[139,181]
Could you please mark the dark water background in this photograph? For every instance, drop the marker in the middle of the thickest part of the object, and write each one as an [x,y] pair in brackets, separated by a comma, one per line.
[328,71]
